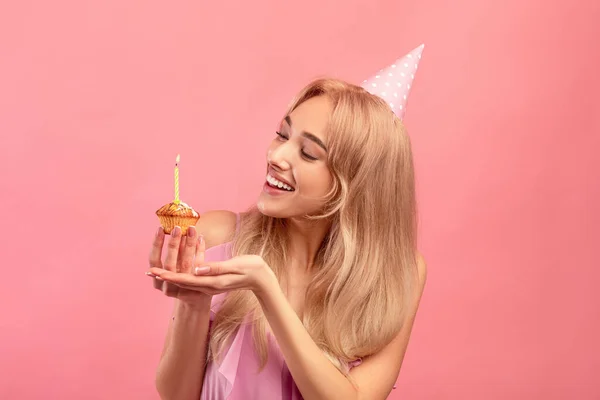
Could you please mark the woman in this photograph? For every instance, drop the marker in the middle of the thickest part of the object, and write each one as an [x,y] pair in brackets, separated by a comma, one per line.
[312,293]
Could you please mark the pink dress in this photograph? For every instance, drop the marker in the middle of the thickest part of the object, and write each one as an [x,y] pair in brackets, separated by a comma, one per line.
[237,377]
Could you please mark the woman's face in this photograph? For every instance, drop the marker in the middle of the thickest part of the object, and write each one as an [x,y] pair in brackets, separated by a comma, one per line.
[297,157]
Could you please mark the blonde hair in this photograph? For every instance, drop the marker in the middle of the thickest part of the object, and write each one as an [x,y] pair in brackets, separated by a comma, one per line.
[366,273]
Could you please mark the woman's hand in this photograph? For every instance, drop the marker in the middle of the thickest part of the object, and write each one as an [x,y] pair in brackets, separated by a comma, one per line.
[248,272]
[183,254]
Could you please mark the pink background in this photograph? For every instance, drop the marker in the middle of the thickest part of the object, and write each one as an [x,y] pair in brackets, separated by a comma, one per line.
[97,98]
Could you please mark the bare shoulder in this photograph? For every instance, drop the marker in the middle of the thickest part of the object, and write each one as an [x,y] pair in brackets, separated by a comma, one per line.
[422,269]
[217,227]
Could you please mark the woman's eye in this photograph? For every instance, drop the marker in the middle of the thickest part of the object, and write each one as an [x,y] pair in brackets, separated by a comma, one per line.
[309,156]
[281,136]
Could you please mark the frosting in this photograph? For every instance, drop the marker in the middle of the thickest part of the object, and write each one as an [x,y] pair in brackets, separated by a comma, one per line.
[177,210]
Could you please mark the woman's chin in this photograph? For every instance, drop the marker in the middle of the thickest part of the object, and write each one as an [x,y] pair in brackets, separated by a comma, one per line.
[270,208]
[266,208]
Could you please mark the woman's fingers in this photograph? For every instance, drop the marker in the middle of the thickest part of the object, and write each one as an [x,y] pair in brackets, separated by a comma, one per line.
[158,284]
[182,243]
[227,281]
[188,250]
[170,262]
[172,281]
[169,289]
[217,268]
[200,250]
[156,251]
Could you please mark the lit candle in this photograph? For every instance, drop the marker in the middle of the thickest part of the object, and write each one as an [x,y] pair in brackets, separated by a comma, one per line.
[177,180]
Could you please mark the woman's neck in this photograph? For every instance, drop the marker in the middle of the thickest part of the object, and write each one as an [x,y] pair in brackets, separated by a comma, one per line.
[306,237]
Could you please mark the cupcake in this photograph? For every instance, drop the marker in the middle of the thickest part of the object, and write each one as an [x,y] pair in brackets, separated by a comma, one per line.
[177,214]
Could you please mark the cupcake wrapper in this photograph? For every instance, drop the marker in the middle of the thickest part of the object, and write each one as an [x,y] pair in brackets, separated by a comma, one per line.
[169,222]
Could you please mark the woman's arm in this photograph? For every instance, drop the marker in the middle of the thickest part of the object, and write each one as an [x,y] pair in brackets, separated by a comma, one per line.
[315,376]
[181,368]
[180,372]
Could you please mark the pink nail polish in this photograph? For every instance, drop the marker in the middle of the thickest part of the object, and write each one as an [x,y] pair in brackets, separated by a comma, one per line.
[176,232]
[201,270]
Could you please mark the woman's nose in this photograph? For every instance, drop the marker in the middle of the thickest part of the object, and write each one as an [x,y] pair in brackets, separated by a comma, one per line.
[279,157]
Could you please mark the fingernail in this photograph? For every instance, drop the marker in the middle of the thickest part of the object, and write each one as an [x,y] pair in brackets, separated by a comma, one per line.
[160,229]
[201,270]
[176,231]
[200,239]
[191,232]
[149,273]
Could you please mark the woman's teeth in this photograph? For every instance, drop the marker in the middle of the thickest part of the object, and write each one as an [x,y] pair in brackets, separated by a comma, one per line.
[274,182]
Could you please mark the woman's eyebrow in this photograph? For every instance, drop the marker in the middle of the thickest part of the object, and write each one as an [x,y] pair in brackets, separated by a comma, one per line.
[308,135]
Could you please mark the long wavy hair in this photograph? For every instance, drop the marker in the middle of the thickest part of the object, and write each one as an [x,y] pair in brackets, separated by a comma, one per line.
[366,266]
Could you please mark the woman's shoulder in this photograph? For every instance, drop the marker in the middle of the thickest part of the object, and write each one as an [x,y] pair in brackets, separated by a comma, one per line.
[421,268]
[217,227]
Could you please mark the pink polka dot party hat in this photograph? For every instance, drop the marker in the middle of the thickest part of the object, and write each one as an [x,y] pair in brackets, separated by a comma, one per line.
[393,83]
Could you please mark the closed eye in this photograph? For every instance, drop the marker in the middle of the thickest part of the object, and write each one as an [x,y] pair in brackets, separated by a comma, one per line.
[282,137]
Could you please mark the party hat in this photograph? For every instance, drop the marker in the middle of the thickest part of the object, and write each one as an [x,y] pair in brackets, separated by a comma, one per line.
[393,83]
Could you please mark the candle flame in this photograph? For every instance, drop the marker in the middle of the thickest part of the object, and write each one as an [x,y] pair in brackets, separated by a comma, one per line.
[177,159]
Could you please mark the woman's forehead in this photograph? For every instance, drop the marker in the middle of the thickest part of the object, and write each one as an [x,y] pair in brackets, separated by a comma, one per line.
[311,116]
